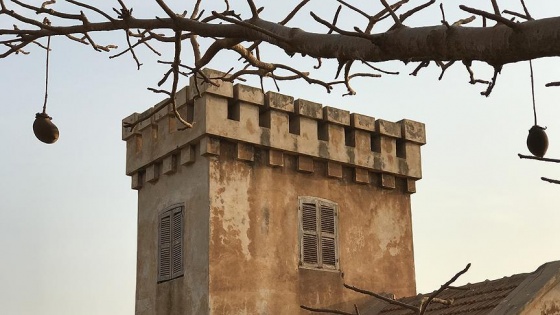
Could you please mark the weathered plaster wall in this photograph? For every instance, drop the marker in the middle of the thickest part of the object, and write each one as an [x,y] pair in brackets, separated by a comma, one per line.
[239,171]
[187,294]
[547,300]
[550,302]
[254,242]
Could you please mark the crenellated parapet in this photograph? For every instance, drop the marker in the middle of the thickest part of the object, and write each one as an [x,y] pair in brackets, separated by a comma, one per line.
[276,123]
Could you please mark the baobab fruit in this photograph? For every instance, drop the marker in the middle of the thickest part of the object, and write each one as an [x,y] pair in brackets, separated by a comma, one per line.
[44,128]
[537,141]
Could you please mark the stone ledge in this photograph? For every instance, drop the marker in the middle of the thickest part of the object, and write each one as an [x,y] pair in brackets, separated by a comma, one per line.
[209,146]
[362,122]
[337,116]
[308,109]
[279,101]
[274,121]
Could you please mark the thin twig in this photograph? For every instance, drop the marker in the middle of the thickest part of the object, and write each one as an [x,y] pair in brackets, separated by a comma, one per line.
[146,115]
[377,69]
[335,19]
[347,78]
[293,13]
[443,21]
[408,13]
[381,297]
[167,10]
[496,8]
[324,310]
[353,8]
[302,75]
[382,15]
[519,15]
[530,157]
[175,67]
[138,64]
[490,16]
[526,10]
[422,64]
[472,80]
[343,32]
[497,70]
[395,17]
[432,296]
[92,8]
[253,7]
[552,181]
[464,21]
[320,63]
[444,66]
[193,38]
[159,91]
[52,12]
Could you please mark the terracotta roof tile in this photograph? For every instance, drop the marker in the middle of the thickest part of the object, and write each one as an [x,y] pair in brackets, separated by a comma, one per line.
[473,299]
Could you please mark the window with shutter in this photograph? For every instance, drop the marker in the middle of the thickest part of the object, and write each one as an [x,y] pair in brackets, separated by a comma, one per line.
[318,233]
[170,244]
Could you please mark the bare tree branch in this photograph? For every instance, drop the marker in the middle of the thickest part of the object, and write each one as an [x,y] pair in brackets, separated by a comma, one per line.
[383,298]
[552,181]
[324,310]
[496,17]
[526,10]
[175,68]
[419,310]
[432,296]
[530,157]
[415,10]
[552,84]
[505,43]
[392,12]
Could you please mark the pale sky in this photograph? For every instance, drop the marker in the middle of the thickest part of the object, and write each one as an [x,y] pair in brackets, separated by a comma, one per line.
[68,227]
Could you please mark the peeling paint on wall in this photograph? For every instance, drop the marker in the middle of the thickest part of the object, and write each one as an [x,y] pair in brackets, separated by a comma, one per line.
[262,303]
[550,308]
[231,203]
[390,232]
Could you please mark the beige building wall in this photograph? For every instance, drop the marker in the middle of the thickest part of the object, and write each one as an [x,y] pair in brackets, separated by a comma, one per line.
[239,172]
[188,294]
[254,242]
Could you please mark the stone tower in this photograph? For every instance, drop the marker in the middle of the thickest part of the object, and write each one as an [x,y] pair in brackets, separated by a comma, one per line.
[268,203]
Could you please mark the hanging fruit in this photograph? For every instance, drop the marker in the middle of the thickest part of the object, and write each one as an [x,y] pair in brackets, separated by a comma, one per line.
[44,128]
[537,141]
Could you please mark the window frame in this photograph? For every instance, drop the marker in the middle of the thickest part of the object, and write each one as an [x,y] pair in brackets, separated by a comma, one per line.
[174,244]
[319,234]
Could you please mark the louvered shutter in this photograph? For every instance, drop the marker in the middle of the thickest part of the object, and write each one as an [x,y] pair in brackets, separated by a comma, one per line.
[177,242]
[309,236]
[328,235]
[164,252]
[170,244]
[318,233]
